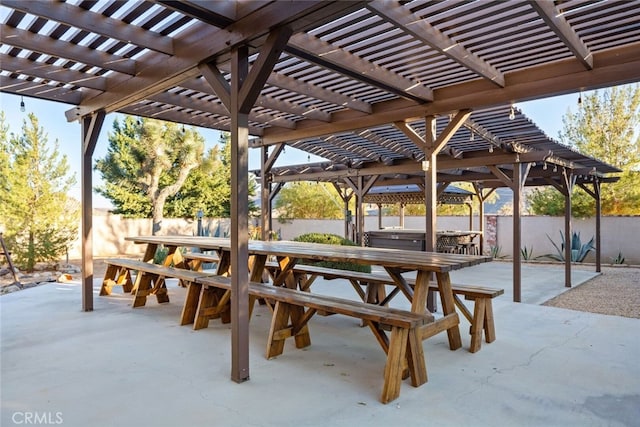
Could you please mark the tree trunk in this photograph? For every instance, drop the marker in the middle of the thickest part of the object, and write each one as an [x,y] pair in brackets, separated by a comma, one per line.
[31,257]
[157,217]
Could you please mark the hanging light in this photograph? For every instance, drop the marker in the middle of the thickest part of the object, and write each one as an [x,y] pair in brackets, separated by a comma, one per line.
[580,100]
[22,108]
[544,166]
[472,137]
[491,148]
[512,113]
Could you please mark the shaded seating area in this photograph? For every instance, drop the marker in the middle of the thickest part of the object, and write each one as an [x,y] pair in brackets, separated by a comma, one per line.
[387,92]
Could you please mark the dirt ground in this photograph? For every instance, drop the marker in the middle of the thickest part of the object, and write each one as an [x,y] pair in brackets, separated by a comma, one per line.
[616,291]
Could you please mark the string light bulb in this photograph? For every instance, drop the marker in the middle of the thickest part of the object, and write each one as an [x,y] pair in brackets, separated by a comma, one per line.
[544,166]
[512,113]
[491,148]
[22,107]
[472,137]
[580,100]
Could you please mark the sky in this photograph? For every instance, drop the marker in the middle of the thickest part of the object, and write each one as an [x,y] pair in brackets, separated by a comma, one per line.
[546,113]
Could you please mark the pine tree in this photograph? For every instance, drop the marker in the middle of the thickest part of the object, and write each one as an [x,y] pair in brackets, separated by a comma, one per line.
[40,220]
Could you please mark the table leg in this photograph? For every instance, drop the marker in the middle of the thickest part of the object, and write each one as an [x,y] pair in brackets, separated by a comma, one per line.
[224,264]
[448,306]
[191,303]
[150,252]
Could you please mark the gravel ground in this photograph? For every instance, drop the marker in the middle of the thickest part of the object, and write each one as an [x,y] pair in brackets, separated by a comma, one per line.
[616,291]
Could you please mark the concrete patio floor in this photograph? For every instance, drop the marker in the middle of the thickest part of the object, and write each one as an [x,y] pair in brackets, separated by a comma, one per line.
[118,366]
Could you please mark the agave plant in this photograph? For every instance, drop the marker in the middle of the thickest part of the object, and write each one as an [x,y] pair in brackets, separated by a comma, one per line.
[527,253]
[618,260]
[579,251]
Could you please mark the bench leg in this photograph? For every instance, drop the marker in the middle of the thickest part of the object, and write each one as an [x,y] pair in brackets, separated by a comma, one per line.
[281,329]
[125,281]
[160,290]
[116,276]
[279,322]
[142,289]
[108,282]
[190,307]
[393,369]
[207,299]
[416,359]
[489,327]
[478,324]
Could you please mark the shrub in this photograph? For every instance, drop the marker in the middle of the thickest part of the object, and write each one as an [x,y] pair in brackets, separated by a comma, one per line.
[331,239]
[160,255]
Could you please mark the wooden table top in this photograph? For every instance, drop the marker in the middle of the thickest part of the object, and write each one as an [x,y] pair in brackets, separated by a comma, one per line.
[392,258]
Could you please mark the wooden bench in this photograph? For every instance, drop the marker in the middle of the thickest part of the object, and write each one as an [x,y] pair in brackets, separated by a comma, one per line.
[196,259]
[149,280]
[405,356]
[370,287]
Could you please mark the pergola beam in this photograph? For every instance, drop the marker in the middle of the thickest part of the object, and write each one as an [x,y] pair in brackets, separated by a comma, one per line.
[215,108]
[92,22]
[52,72]
[46,45]
[615,66]
[419,28]
[198,44]
[320,52]
[549,13]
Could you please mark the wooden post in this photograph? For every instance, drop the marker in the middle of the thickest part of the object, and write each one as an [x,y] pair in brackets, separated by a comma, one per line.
[239,219]
[430,197]
[515,182]
[239,97]
[598,198]
[91,126]
[517,231]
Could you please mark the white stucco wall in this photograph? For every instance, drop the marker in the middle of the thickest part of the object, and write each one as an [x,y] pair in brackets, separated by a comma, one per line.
[619,234]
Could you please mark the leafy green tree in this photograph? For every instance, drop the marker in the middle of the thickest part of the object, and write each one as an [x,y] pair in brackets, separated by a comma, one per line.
[606,128]
[309,200]
[147,162]
[40,220]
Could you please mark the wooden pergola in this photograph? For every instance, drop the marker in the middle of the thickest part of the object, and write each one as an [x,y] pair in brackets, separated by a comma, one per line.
[485,151]
[346,74]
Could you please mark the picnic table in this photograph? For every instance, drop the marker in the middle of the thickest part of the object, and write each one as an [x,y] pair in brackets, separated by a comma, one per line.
[292,308]
[288,253]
